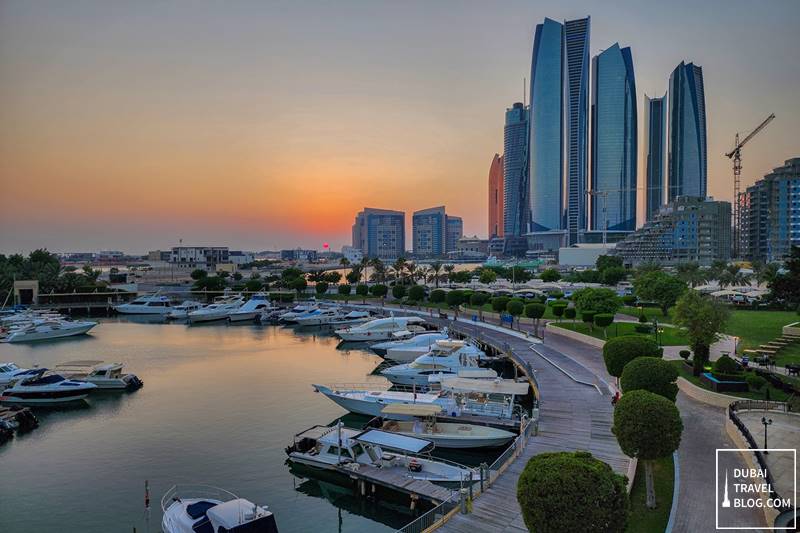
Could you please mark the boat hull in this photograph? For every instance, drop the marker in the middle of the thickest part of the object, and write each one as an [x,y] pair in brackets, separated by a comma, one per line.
[196,319]
[142,310]
[244,317]
[76,396]
[47,335]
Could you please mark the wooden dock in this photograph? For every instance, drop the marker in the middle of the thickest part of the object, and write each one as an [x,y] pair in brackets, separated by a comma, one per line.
[370,477]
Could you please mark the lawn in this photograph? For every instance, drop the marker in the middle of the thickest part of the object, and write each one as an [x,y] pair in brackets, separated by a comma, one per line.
[776,395]
[646,520]
[649,312]
[669,337]
[757,327]
[788,355]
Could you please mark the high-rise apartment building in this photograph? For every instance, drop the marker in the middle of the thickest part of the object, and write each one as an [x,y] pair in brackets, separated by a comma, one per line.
[614,141]
[654,152]
[380,233]
[515,170]
[455,230]
[434,233]
[496,197]
[687,159]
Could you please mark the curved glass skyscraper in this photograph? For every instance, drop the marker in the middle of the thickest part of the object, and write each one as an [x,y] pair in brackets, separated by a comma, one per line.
[686,161]
[515,171]
[614,141]
[654,128]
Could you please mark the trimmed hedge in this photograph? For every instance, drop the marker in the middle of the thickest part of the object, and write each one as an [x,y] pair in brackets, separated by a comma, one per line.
[619,351]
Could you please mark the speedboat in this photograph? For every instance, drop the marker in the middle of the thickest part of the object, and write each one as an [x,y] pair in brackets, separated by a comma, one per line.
[10,372]
[45,388]
[252,308]
[207,509]
[182,310]
[445,357]
[146,305]
[219,310]
[353,317]
[381,329]
[291,316]
[319,317]
[40,330]
[442,434]
[341,449]
[399,347]
[107,376]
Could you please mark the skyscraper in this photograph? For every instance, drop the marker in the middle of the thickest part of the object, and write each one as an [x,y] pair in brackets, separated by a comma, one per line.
[454,231]
[380,233]
[496,192]
[429,232]
[654,129]
[515,170]
[614,140]
[546,128]
[686,160]
[576,120]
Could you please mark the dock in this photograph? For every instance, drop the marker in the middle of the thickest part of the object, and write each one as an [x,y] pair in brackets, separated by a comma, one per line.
[368,478]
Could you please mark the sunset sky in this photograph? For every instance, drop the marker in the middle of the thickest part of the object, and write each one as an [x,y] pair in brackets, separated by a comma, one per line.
[261,125]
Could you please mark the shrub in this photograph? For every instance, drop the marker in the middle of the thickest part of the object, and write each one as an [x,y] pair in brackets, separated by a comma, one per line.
[515,307]
[362,290]
[535,310]
[321,287]
[550,275]
[416,293]
[558,310]
[629,300]
[642,318]
[650,374]
[437,296]
[379,290]
[588,316]
[685,354]
[726,365]
[603,320]
[570,313]
[478,299]
[643,328]
[345,290]
[598,300]
[454,298]
[398,292]
[619,351]
[499,303]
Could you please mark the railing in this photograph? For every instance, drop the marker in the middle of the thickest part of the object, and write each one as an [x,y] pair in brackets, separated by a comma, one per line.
[429,519]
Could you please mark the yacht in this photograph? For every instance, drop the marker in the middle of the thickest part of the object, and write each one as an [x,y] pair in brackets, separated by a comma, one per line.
[319,317]
[381,329]
[371,402]
[219,310]
[353,317]
[442,434]
[445,357]
[182,310]
[400,347]
[45,388]
[252,308]
[40,330]
[146,305]
[339,449]
[107,376]
[291,316]
[207,509]
[10,372]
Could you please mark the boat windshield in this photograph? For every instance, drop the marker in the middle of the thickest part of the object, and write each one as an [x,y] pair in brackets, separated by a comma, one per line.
[44,380]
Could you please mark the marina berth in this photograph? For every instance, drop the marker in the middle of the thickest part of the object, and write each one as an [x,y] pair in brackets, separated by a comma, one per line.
[207,509]
[182,310]
[299,310]
[381,328]
[107,376]
[445,357]
[218,310]
[46,388]
[146,305]
[45,329]
[252,308]
[353,317]
[407,349]
[319,317]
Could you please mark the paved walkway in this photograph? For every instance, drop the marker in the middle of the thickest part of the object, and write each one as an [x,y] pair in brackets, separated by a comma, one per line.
[784,432]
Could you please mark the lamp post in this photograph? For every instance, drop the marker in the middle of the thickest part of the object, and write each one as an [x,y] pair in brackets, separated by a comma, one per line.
[766,421]
[655,329]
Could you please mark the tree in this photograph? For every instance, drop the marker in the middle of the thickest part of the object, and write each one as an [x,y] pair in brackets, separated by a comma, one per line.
[598,300]
[659,287]
[733,276]
[499,303]
[398,292]
[416,293]
[550,275]
[555,488]
[237,276]
[299,285]
[454,300]
[488,276]
[518,274]
[613,275]
[650,374]
[362,290]
[535,311]
[785,288]
[353,276]
[648,427]
[333,277]
[321,287]
[558,309]
[691,274]
[254,285]
[603,320]
[515,307]
[570,313]
[345,291]
[291,273]
[198,273]
[702,319]
[449,269]
[437,296]
[379,290]
[588,318]
[209,283]
[605,262]
[619,351]
[436,271]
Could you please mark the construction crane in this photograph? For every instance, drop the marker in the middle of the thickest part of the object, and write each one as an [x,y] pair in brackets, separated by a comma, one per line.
[736,155]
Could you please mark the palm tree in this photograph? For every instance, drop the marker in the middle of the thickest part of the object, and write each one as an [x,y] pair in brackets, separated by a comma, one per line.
[449,269]
[692,274]
[398,267]
[364,264]
[766,274]
[717,268]
[436,268]
[378,270]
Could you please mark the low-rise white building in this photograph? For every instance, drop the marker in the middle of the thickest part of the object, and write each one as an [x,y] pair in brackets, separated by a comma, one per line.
[352,254]
[583,254]
[203,257]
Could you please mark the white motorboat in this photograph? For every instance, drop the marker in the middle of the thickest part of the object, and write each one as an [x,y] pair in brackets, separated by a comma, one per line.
[107,376]
[45,388]
[154,304]
[182,310]
[381,329]
[255,306]
[353,317]
[442,434]
[336,448]
[445,357]
[10,372]
[41,330]
[219,310]
[399,347]
[372,402]
[207,509]
[319,317]
[299,310]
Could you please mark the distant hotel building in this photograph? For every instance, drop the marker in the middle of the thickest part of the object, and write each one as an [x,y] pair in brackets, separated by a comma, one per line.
[455,230]
[687,159]
[614,141]
[298,254]
[654,151]
[770,211]
[434,233]
[380,233]
[515,170]
[687,229]
[352,254]
[496,197]
[202,257]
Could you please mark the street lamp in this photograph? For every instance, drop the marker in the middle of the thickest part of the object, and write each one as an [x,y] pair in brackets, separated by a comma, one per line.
[655,329]
[766,421]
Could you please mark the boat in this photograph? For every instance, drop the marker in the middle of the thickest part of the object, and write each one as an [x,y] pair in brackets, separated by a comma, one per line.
[182,310]
[353,317]
[45,388]
[371,402]
[445,357]
[153,304]
[319,317]
[416,345]
[252,308]
[207,509]
[381,328]
[290,316]
[334,448]
[40,330]
[442,434]
[10,372]
[218,310]
[107,376]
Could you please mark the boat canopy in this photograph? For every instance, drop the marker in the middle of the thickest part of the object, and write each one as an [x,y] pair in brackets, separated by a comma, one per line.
[393,441]
[77,365]
[231,514]
[488,386]
[414,409]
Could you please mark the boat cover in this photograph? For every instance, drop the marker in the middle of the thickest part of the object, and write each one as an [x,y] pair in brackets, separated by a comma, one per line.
[487,386]
[393,441]
[412,409]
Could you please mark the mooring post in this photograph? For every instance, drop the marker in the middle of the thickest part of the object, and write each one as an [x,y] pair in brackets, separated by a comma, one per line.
[470,484]
[463,500]
[484,469]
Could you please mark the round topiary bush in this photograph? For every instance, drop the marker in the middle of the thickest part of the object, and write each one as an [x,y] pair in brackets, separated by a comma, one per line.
[629,299]
[570,313]
[588,316]
[437,296]
[650,374]
[643,328]
[603,320]
[499,303]
[416,293]
[619,351]
[755,382]
[554,488]
[726,365]
[685,354]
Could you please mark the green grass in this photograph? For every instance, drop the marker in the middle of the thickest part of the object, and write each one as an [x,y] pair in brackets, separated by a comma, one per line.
[649,312]
[788,355]
[642,519]
[669,337]
[757,327]
[776,395]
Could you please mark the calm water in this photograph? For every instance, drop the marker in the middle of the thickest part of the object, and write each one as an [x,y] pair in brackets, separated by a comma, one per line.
[219,405]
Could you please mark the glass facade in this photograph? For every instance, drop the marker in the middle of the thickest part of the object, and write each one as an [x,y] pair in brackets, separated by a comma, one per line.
[546,129]
[614,141]
[654,154]
[687,159]
[380,233]
[515,170]
[455,230]
[428,229]
[496,195]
